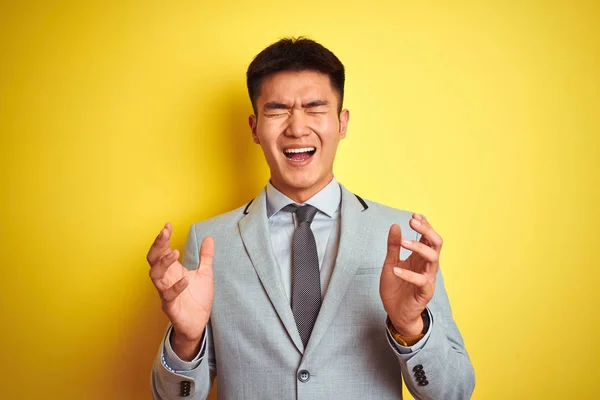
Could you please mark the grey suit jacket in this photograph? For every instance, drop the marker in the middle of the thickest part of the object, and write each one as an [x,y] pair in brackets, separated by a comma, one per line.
[252,339]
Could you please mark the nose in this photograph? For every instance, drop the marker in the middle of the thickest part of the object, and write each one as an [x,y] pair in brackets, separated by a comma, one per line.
[297,124]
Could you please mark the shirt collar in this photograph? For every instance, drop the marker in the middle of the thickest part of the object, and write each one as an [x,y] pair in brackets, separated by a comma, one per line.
[327,200]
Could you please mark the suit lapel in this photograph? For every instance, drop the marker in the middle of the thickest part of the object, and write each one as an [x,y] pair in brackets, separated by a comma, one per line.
[353,221]
[254,230]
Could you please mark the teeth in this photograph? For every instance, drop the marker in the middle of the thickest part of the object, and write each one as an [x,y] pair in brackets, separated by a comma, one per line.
[302,150]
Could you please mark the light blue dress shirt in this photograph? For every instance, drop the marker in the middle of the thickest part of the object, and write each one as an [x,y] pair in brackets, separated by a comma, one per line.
[325,227]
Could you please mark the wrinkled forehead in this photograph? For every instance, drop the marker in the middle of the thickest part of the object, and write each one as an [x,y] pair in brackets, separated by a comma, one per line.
[291,87]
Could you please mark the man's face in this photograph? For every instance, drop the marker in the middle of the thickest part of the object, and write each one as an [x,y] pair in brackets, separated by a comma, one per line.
[299,128]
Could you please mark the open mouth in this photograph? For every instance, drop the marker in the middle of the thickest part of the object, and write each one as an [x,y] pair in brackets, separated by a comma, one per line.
[301,154]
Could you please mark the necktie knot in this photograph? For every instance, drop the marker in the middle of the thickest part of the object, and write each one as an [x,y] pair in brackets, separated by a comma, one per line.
[305,213]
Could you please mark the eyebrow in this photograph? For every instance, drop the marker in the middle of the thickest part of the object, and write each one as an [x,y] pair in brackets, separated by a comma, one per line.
[275,105]
[315,103]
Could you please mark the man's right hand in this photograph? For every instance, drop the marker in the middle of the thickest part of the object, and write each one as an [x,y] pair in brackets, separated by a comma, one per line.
[187,296]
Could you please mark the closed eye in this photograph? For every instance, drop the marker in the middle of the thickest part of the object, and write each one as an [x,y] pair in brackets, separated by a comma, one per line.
[317,111]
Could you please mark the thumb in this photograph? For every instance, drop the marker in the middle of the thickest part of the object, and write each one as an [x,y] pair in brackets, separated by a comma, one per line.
[207,253]
[393,246]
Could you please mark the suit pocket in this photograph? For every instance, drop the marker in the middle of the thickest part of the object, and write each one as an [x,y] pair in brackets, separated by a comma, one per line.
[368,271]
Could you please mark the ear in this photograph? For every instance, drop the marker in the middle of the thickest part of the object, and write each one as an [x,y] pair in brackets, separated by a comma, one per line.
[344,118]
[253,121]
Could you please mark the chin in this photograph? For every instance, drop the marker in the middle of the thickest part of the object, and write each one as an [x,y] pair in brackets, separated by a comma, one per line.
[304,182]
[301,180]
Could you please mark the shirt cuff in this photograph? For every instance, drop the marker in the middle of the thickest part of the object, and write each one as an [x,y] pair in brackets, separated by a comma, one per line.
[415,347]
[173,363]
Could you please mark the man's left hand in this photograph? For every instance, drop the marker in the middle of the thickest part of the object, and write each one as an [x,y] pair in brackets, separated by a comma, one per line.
[406,287]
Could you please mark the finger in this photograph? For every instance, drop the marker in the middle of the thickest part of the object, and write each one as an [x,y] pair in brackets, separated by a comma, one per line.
[422,226]
[414,278]
[420,217]
[161,244]
[393,245]
[207,254]
[160,268]
[426,252]
[171,293]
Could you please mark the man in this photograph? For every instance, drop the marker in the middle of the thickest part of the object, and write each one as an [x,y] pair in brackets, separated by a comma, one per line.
[308,291]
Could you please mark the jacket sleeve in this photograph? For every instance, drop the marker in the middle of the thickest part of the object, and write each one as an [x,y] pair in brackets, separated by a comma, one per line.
[441,369]
[167,383]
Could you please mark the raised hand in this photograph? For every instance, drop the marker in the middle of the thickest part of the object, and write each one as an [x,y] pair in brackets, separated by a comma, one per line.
[406,287]
[187,296]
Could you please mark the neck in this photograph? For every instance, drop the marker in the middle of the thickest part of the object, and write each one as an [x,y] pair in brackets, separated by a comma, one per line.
[300,195]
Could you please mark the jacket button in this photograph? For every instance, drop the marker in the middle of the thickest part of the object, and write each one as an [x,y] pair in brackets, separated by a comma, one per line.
[420,373]
[303,375]
[424,382]
[418,367]
[184,388]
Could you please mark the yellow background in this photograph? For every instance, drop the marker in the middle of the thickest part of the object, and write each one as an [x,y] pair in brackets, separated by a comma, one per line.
[116,117]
